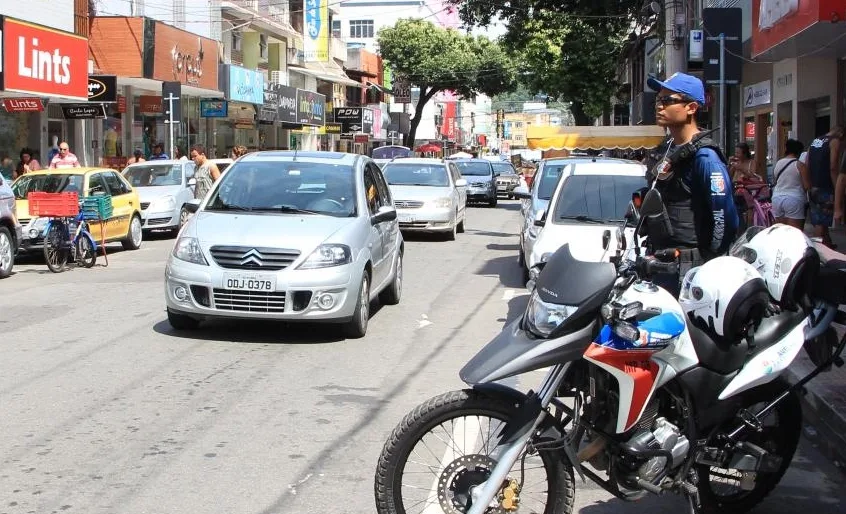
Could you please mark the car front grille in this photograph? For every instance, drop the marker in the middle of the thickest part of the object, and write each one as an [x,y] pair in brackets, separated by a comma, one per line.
[479,184]
[249,301]
[249,258]
[158,221]
[408,204]
[144,205]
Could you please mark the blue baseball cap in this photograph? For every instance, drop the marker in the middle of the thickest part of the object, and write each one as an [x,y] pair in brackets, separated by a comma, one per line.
[681,83]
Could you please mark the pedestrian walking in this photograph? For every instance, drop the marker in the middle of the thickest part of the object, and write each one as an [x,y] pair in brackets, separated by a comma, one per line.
[206,173]
[65,159]
[824,170]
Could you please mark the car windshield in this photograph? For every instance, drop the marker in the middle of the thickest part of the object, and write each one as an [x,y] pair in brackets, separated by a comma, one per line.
[286,187]
[549,179]
[503,168]
[152,175]
[474,169]
[596,197]
[416,175]
[51,183]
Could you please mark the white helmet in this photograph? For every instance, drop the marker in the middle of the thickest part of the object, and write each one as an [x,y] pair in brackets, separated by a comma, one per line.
[784,257]
[724,297]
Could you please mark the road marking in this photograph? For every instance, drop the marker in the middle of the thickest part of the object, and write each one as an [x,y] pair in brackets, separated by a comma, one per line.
[423,321]
[510,294]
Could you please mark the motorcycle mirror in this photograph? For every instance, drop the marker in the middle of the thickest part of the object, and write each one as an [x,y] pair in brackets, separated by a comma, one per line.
[652,205]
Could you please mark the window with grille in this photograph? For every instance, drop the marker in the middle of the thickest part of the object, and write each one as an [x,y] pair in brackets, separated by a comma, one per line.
[361,28]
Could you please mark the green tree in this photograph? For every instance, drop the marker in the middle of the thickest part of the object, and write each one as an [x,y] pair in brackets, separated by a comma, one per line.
[436,59]
[567,48]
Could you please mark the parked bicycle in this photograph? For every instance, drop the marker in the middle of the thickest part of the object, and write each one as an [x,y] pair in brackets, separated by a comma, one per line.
[755,207]
[59,245]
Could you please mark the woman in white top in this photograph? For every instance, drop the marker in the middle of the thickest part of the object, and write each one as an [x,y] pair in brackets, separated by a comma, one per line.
[791,183]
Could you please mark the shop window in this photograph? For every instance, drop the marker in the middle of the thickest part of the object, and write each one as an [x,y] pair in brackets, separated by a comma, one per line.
[361,29]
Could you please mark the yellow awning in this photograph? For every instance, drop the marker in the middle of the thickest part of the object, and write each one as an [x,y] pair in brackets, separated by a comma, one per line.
[594,138]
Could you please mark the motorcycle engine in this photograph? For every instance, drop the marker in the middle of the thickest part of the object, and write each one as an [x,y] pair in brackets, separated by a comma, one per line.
[663,435]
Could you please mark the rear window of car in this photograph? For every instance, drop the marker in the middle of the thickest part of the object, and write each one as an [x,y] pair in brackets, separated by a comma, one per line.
[604,197]
[474,168]
[416,175]
[49,183]
[504,168]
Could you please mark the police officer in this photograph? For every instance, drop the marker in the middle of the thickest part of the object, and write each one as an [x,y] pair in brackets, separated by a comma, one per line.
[696,191]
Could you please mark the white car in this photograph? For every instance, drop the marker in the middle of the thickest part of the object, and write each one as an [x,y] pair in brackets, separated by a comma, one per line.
[591,197]
[164,187]
[430,195]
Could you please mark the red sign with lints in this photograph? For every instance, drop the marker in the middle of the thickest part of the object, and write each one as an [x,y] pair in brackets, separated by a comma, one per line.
[23,105]
[43,61]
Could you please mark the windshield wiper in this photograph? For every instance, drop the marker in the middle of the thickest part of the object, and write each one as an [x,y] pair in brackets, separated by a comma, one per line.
[288,209]
[230,207]
[583,218]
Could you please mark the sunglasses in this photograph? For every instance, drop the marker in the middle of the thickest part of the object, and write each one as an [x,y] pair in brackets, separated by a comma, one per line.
[664,101]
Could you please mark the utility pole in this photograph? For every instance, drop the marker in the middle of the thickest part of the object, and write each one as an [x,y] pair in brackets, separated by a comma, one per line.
[170,121]
[675,21]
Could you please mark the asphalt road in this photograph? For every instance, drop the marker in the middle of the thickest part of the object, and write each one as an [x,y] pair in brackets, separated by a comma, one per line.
[104,409]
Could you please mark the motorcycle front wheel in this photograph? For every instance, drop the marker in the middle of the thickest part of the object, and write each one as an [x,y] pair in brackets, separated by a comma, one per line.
[447,446]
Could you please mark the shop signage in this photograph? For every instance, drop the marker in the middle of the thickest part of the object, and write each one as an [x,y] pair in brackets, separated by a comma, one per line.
[333,128]
[361,138]
[773,11]
[311,108]
[102,88]
[316,40]
[84,111]
[121,104]
[696,46]
[23,104]
[756,94]
[43,61]
[214,108]
[245,85]
[402,90]
[355,119]
[269,109]
[287,111]
[180,56]
[150,104]
[749,130]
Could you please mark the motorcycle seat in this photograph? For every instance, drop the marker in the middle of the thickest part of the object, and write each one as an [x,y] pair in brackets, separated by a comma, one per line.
[773,329]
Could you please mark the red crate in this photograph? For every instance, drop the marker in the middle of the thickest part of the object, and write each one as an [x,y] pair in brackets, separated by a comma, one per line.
[57,205]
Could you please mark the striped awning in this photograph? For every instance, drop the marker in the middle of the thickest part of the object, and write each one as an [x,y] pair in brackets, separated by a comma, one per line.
[594,138]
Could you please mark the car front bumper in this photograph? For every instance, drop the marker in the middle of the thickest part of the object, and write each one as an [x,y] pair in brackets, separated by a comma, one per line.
[425,219]
[295,297]
[153,220]
[505,188]
[475,194]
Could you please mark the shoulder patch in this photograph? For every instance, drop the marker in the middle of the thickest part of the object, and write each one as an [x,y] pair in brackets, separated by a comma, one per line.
[718,183]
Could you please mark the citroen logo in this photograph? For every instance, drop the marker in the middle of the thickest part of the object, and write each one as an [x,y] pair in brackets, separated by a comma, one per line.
[252,258]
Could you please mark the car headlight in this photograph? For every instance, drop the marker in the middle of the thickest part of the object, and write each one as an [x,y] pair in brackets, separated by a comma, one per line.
[325,256]
[164,203]
[38,224]
[442,203]
[542,317]
[188,249]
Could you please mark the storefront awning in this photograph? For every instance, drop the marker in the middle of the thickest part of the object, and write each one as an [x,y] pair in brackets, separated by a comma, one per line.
[155,86]
[594,138]
[327,74]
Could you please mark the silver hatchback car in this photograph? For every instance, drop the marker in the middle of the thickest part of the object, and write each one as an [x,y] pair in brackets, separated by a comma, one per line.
[10,228]
[305,236]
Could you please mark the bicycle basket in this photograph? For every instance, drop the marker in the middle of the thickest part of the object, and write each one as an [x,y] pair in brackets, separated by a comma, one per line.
[57,205]
[97,208]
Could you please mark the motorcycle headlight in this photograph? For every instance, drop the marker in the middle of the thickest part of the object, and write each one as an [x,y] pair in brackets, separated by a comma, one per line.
[325,256]
[188,249]
[442,203]
[542,317]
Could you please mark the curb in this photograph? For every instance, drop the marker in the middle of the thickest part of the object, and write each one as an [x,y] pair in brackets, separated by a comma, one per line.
[824,415]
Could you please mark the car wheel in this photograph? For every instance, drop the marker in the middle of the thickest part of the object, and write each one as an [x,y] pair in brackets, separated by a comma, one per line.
[521,259]
[356,328]
[135,236]
[461,225]
[492,202]
[393,293]
[181,321]
[7,253]
[183,218]
[450,236]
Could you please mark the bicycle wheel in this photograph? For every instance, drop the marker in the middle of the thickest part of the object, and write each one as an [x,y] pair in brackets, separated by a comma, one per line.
[86,255]
[56,247]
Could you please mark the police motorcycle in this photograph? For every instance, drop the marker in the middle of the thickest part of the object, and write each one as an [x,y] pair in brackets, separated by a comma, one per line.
[639,392]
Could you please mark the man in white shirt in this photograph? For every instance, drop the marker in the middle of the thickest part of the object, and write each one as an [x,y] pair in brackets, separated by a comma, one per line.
[65,159]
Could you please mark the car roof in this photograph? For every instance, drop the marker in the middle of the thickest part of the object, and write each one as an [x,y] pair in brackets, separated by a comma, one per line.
[586,158]
[305,156]
[417,160]
[68,171]
[157,161]
[474,159]
[610,167]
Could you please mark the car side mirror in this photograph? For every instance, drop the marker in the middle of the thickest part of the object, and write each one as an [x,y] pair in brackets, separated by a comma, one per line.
[461,182]
[192,182]
[192,206]
[521,192]
[540,219]
[384,213]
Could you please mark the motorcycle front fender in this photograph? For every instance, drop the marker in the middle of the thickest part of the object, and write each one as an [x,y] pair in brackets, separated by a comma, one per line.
[514,351]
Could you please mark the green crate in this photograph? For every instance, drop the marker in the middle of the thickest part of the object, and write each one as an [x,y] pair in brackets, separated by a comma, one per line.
[97,207]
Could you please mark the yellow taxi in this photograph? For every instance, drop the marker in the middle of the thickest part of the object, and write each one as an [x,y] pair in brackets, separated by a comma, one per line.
[123,226]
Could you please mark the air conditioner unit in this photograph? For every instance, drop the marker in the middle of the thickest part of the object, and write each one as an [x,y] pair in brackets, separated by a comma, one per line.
[279,77]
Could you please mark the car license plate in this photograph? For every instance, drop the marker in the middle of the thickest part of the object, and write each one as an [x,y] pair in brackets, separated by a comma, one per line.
[405,218]
[249,282]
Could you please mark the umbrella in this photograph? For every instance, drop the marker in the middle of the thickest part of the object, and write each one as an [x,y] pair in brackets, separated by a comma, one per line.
[461,155]
[429,147]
